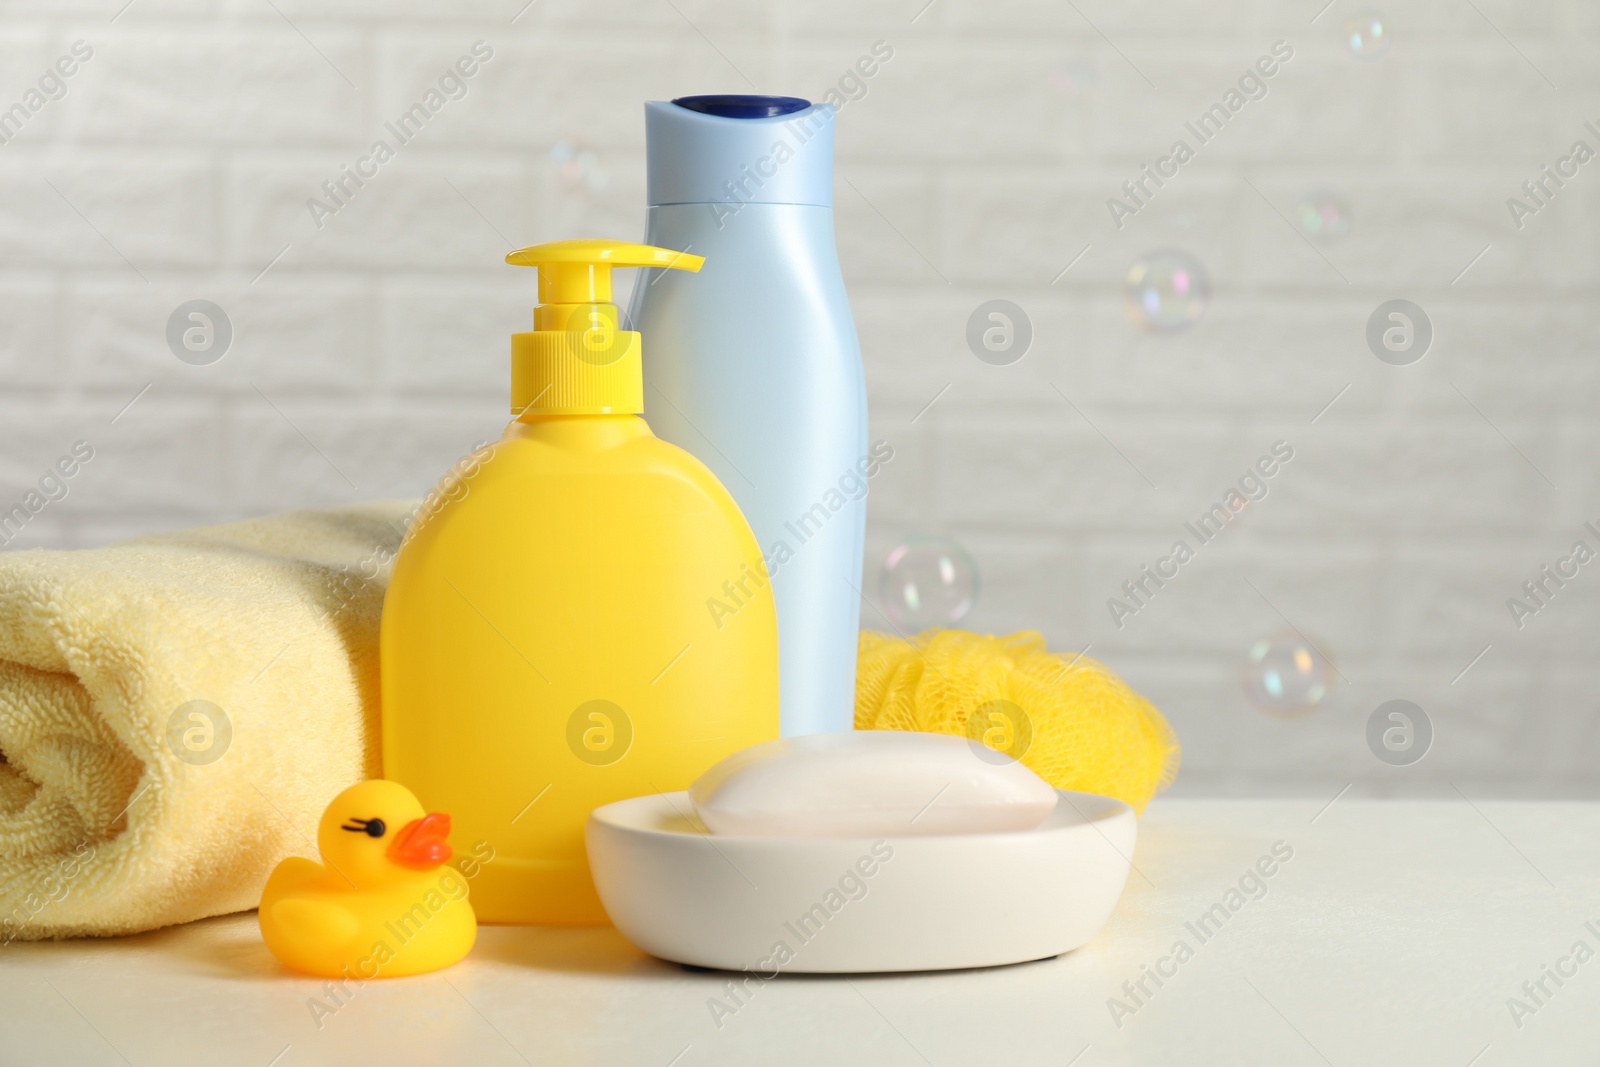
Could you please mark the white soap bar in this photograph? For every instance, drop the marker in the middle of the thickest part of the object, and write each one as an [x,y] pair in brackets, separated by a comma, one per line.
[868,783]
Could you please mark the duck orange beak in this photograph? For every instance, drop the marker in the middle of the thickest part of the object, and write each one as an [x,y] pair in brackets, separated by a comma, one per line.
[422,843]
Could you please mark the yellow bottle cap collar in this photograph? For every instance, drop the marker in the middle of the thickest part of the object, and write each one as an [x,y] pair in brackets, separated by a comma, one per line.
[576,360]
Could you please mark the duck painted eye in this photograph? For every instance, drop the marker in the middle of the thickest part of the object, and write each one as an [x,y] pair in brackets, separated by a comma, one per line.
[370,827]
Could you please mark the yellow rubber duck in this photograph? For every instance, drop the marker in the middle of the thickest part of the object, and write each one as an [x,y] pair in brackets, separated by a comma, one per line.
[382,903]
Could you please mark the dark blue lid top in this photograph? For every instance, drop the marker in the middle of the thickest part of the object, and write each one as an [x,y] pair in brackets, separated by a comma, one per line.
[744,107]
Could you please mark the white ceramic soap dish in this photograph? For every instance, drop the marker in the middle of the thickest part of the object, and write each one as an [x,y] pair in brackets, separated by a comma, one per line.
[852,905]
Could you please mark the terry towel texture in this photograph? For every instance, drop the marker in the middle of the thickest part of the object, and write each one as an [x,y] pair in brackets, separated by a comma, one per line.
[125,804]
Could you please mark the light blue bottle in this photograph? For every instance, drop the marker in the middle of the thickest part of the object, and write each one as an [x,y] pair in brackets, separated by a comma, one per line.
[754,367]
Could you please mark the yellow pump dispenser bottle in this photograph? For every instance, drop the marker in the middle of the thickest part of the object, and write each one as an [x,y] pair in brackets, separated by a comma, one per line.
[584,618]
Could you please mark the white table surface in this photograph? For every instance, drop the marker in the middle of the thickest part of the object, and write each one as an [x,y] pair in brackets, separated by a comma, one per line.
[1395,935]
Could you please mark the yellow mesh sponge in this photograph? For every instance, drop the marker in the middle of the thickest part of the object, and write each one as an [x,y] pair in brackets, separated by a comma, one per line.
[1089,731]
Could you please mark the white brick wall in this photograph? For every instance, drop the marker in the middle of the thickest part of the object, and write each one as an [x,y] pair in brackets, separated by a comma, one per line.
[178,164]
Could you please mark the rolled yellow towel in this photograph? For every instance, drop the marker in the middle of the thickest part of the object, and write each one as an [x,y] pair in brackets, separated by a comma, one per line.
[1069,718]
[125,804]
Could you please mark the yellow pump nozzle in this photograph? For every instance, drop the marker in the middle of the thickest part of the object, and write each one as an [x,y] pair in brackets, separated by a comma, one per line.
[577,360]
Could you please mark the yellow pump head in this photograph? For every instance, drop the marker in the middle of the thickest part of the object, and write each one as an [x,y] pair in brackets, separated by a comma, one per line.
[577,361]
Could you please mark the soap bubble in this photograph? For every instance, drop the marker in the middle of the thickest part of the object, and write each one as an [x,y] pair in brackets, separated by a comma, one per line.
[1367,35]
[1167,290]
[1285,675]
[578,167]
[928,581]
[1074,79]
[1324,217]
